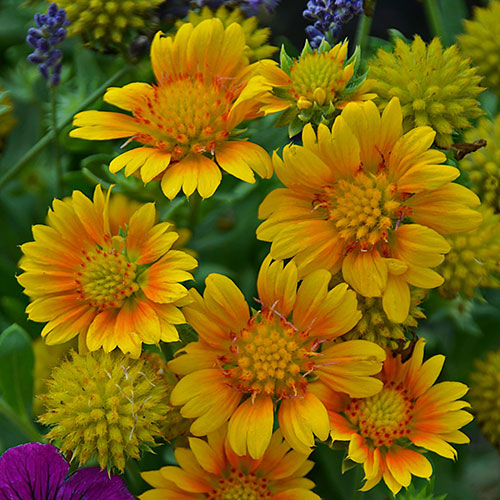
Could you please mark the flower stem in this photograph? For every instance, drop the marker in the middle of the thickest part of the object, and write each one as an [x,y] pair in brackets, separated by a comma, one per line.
[47,138]
[194,215]
[434,18]
[363,29]
[21,422]
[59,171]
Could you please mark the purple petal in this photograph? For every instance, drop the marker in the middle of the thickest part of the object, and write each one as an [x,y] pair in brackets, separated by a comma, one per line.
[32,471]
[94,484]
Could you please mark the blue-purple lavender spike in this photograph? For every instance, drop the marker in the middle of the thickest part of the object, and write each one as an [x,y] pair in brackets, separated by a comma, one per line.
[45,39]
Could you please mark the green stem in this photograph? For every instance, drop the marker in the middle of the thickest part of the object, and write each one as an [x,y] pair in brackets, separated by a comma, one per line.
[59,171]
[363,29]
[357,494]
[134,475]
[47,138]
[195,203]
[22,423]
[434,18]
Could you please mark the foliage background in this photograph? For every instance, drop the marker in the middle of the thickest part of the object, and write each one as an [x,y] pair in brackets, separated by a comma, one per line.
[223,230]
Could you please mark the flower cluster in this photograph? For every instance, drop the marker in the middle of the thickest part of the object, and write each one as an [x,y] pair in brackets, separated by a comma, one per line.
[46,39]
[329,16]
[365,216]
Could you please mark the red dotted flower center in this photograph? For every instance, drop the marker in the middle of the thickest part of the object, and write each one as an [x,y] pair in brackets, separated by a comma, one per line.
[184,114]
[383,418]
[240,486]
[105,278]
[270,356]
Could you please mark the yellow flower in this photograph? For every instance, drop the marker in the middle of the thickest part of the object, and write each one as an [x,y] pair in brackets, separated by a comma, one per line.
[409,410]
[436,87]
[112,288]
[485,395]
[483,166]
[185,121]
[211,470]
[481,42]
[314,87]
[474,259]
[105,23]
[369,200]
[256,38]
[105,405]
[243,366]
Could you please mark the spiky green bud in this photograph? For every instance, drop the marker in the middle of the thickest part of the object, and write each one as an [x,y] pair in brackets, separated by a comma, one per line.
[107,405]
[436,87]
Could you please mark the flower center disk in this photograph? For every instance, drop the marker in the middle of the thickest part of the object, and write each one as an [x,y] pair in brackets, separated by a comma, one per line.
[106,278]
[363,210]
[269,357]
[382,418]
[240,486]
[185,114]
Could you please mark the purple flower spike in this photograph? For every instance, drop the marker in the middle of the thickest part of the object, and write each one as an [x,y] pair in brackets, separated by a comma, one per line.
[37,471]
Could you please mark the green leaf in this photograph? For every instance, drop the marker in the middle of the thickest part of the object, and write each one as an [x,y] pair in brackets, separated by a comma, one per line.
[286,62]
[16,370]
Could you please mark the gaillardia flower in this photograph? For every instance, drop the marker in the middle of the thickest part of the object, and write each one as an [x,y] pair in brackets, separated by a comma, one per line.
[105,405]
[243,365]
[485,394]
[184,122]
[114,289]
[369,200]
[312,88]
[437,87]
[480,42]
[409,410]
[256,38]
[35,471]
[474,259]
[211,470]
[483,165]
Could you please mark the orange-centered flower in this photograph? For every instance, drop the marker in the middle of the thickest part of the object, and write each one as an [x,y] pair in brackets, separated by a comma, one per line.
[369,200]
[212,471]
[409,410]
[244,366]
[185,121]
[114,288]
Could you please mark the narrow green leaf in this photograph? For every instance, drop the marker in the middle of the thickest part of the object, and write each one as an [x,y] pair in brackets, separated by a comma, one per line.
[16,370]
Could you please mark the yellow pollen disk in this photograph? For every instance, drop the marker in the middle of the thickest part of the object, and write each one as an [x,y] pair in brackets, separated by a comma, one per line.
[383,418]
[318,77]
[270,357]
[363,210]
[240,486]
[184,114]
[106,278]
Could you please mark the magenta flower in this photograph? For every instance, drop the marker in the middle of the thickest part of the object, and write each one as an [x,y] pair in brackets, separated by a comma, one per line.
[37,471]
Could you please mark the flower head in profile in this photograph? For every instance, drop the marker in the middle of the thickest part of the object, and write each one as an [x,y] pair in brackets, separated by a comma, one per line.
[105,405]
[410,411]
[244,366]
[114,289]
[437,87]
[184,122]
[368,200]
[314,87]
[211,470]
[37,471]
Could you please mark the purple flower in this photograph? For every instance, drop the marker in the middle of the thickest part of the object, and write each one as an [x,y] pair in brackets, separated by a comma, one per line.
[37,471]
[50,33]
[329,16]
